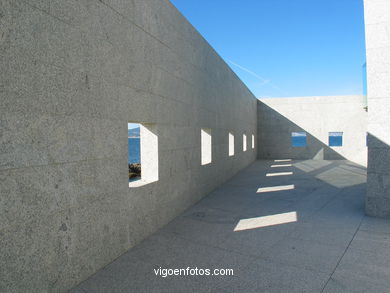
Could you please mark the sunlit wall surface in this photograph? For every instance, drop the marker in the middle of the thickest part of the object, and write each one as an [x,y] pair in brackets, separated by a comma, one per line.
[364,76]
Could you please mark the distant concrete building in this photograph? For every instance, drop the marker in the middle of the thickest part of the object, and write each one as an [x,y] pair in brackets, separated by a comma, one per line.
[74,73]
[317,117]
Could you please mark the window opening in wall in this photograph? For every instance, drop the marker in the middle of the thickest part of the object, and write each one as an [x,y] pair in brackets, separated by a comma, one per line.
[134,151]
[244,142]
[231,144]
[142,146]
[298,139]
[253,141]
[335,139]
[205,137]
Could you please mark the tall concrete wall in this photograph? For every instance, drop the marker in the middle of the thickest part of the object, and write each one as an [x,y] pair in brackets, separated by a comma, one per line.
[377,24]
[317,116]
[73,73]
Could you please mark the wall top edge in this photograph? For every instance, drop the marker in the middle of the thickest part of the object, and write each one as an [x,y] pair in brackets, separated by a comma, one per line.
[313,99]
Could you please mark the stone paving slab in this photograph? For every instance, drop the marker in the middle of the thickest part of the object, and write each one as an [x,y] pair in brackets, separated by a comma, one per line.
[332,246]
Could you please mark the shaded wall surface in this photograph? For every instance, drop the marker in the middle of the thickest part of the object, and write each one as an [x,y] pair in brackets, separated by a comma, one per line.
[377,28]
[73,73]
[317,116]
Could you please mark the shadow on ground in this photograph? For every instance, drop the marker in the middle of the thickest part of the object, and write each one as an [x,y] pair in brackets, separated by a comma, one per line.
[269,139]
[331,247]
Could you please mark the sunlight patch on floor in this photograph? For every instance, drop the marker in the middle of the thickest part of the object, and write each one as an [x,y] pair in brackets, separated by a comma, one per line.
[340,177]
[275,188]
[266,221]
[279,174]
[310,165]
[280,166]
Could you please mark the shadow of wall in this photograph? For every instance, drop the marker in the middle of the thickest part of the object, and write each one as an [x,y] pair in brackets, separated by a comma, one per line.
[378,174]
[274,139]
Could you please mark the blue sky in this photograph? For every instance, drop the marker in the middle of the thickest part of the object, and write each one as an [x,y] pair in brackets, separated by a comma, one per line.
[132,125]
[286,47]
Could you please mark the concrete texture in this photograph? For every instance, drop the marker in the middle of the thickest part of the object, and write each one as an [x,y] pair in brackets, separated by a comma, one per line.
[317,116]
[332,247]
[73,74]
[377,28]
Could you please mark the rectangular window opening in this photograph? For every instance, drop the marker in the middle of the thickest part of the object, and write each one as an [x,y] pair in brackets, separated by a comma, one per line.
[206,147]
[298,139]
[142,153]
[335,139]
[244,148]
[231,144]
[253,141]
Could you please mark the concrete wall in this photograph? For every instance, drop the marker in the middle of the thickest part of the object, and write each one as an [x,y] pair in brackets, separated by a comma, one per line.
[377,24]
[317,116]
[73,73]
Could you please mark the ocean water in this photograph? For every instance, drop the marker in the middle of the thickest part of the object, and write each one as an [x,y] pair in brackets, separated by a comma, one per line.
[335,140]
[134,155]
[298,141]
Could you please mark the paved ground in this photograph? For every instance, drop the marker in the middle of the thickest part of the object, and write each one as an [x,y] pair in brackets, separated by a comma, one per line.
[331,247]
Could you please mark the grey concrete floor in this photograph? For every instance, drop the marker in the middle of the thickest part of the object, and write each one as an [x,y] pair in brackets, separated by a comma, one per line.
[331,247]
